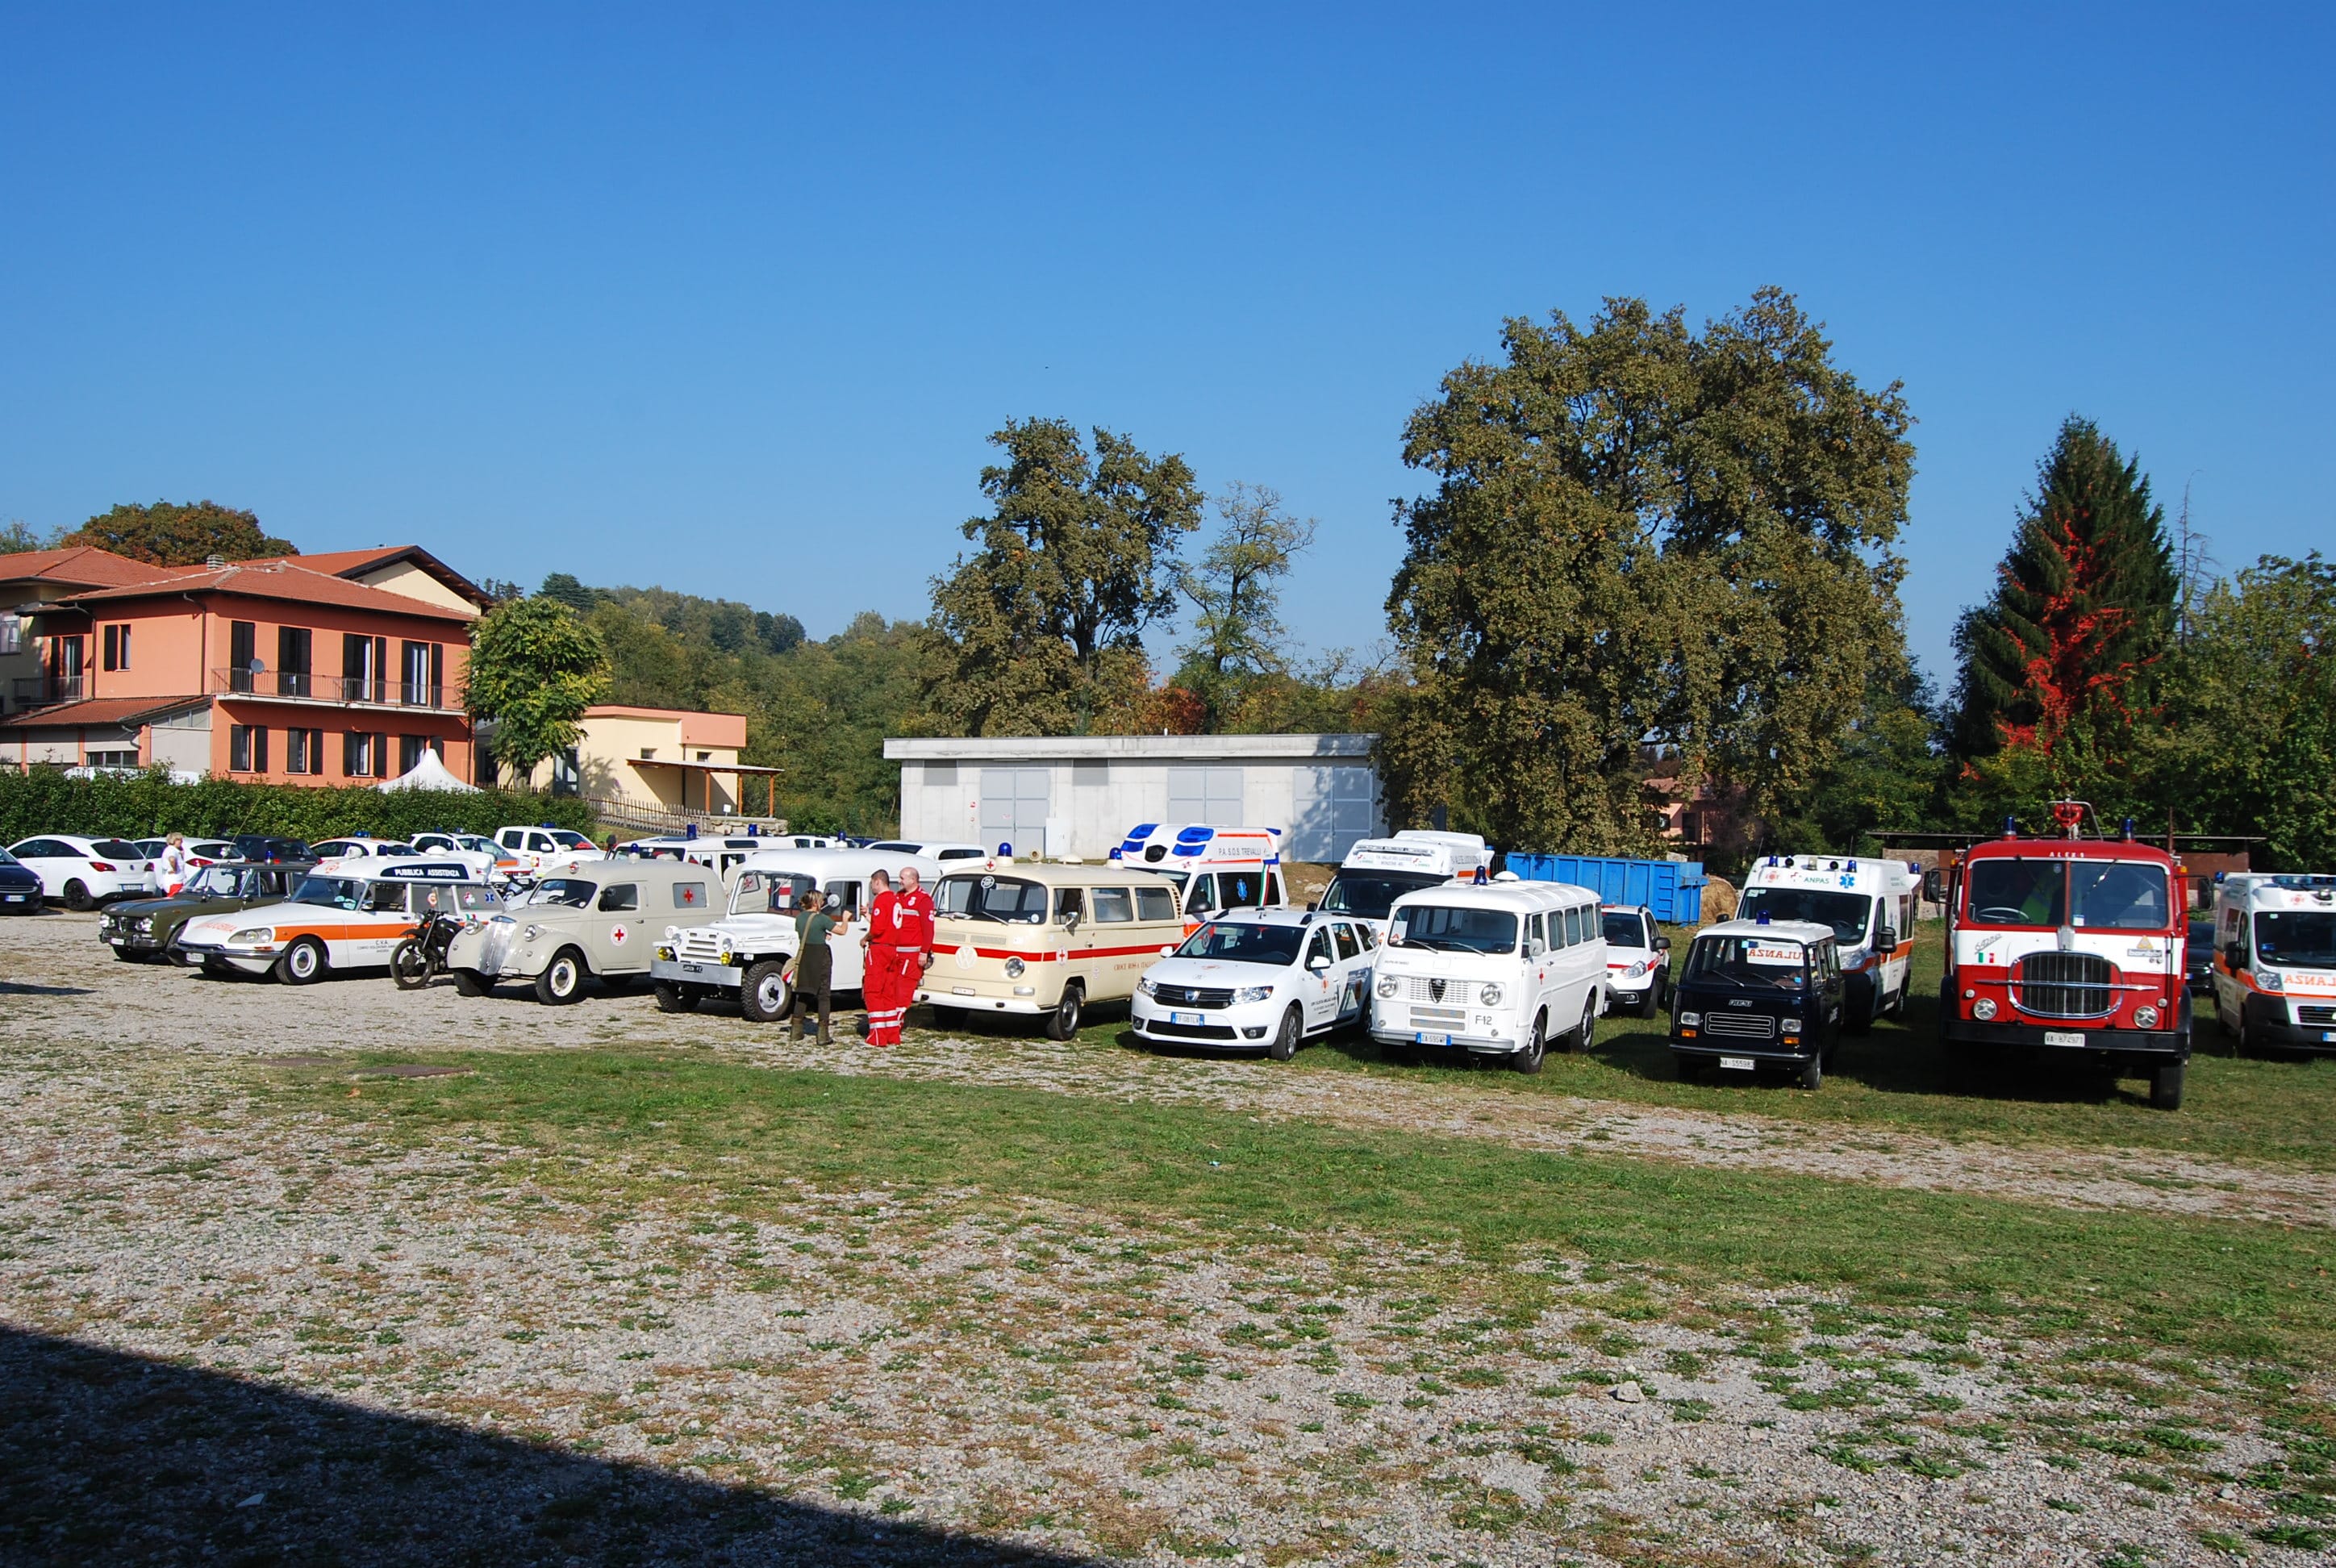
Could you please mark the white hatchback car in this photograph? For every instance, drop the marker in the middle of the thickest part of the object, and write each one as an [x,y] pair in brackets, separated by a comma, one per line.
[82,872]
[536,847]
[1259,980]
[361,854]
[1638,962]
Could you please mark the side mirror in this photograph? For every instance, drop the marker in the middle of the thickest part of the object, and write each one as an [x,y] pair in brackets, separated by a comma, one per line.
[1885,940]
[1312,907]
[1662,944]
[1071,920]
[1934,887]
[1318,962]
[1536,947]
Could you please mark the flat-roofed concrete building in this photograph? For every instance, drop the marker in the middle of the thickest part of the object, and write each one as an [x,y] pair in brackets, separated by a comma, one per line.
[1080,794]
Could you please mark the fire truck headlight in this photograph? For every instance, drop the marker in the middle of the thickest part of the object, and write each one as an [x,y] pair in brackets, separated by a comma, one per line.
[1983,1009]
[2144,1018]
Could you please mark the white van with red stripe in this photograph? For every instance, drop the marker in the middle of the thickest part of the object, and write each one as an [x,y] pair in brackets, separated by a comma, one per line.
[2275,960]
[1213,869]
[1044,940]
[1871,905]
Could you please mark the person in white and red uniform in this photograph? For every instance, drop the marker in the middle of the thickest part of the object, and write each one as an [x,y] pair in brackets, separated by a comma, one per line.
[900,947]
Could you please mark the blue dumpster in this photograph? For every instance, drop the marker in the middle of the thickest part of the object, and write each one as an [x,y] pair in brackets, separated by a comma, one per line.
[1672,889]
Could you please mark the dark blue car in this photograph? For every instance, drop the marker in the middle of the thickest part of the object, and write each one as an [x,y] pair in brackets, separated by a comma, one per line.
[20,887]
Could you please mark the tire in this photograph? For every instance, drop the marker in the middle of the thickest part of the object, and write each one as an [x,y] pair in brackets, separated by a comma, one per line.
[127,956]
[563,980]
[948,1017]
[1813,1073]
[409,966]
[303,963]
[1064,1021]
[764,996]
[672,998]
[1587,1035]
[1857,1017]
[1535,1050]
[472,983]
[2243,1038]
[2166,1086]
[77,899]
[1284,1044]
[1652,1005]
[178,956]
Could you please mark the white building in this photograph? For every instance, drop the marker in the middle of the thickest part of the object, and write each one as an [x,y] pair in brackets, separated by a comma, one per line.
[1080,794]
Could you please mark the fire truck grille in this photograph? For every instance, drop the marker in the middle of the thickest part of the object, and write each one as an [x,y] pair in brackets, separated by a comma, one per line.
[1745,1025]
[2063,986]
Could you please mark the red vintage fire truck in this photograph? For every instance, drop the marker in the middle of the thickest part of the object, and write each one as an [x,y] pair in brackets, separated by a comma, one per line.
[2069,943]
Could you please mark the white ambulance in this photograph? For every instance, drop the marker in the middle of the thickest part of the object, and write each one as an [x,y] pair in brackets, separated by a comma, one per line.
[1502,970]
[1377,871]
[1871,905]
[2275,959]
[1214,868]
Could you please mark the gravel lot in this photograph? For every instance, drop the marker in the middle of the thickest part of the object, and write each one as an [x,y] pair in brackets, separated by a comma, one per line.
[238,1334]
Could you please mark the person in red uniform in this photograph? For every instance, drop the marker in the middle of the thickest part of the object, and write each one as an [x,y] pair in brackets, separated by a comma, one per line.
[880,974]
[913,920]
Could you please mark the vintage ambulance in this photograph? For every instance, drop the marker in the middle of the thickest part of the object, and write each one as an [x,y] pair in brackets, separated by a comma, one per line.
[2275,960]
[582,918]
[1377,871]
[1500,970]
[336,920]
[1871,905]
[1213,869]
[1045,941]
[2071,944]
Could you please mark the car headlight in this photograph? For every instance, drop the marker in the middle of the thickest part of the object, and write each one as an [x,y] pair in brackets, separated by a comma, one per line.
[1386,985]
[255,934]
[1253,994]
[532,932]
[673,933]
[2145,1017]
[144,924]
[1014,968]
[1689,1020]
[2269,980]
[665,952]
[1144,985]
[1490,996]
[1983,1009]
[722,949]
[1790,1025]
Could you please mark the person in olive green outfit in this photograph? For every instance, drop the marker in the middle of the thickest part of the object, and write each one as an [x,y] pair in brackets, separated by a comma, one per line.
[815,964]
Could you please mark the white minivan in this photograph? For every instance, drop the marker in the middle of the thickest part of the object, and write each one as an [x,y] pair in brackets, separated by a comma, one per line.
[1497,969]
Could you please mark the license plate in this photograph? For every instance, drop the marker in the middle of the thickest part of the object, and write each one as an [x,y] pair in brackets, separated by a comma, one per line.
[1431,1040]
[115,941]
[962,990]
[2328,1038]
[1186,1018]
[2062,1037]
[690,969]
[1741,1064]
[15,897]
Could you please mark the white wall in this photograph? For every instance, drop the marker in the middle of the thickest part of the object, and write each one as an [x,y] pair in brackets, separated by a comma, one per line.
[182,742]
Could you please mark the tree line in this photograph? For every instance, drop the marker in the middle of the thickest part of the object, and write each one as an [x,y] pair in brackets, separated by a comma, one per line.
[1642,550]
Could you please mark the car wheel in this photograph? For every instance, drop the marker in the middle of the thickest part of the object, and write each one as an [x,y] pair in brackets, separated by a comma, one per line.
[127,956]
[1651,1006]
[1529,1058]
[409,966]
[303,963]
[218,969]
[77,897]
[2165,1086]
[472,983]
[1064,1021]
[1813,1073]
[563,980]
[673,998]
[1857,1017]
[764,996]
[1284,1044]
[1587,1035]
[2243,1038]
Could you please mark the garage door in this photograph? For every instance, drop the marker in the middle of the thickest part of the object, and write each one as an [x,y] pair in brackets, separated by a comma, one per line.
[1211,796]
[1014,802]
[1335,806]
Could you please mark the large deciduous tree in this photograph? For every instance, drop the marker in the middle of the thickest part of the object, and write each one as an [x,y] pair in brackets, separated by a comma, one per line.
[534,668]
[178,533]
[1039,629]
[1639,535]
[1235,589]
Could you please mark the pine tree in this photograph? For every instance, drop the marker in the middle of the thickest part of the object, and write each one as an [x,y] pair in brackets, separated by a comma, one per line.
[2061,662]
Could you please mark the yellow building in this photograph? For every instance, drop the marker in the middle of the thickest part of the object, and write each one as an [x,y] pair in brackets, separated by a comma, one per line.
[654,761]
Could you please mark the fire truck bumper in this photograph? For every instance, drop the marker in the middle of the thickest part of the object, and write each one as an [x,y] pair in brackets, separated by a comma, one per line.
[2167,1045]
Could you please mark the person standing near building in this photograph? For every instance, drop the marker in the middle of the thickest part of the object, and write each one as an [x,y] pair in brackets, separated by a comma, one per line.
[880,984]
[814,963]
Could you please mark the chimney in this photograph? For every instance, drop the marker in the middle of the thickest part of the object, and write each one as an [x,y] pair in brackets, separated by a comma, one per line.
[214,562]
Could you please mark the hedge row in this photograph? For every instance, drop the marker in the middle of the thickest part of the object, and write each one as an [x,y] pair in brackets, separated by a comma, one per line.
[140,806]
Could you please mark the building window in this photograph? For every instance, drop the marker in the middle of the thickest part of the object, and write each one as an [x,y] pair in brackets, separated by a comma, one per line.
[363,755]
[303,751]
[648,753]
[423,673]
[12,633]
[242,654]
[115,653]
[128,759]
[410,750]
[567,774]
[246,748]
[292,668]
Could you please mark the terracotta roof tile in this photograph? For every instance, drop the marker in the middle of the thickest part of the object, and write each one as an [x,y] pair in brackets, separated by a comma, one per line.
[83,563]
[278,580]
[98,710]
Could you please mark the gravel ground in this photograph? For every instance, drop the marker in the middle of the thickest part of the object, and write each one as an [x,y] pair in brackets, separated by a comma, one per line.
[234,1333]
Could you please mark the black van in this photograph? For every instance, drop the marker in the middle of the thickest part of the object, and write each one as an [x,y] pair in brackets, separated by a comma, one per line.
[1758,994]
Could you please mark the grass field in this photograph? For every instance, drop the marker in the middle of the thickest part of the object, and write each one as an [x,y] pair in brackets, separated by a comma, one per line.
[2280,1110]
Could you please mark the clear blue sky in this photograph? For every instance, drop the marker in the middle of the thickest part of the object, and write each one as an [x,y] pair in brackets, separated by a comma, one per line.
[728,298]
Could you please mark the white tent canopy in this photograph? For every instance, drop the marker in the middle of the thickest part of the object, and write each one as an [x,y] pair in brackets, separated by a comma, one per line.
[429,773]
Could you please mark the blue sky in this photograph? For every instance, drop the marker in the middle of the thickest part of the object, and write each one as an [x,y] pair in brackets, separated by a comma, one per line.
[728,299]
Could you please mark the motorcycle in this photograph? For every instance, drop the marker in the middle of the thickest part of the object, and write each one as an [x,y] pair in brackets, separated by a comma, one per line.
[420,958]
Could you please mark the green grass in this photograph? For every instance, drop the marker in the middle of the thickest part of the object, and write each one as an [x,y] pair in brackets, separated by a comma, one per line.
[2275,1110]
[583,1120]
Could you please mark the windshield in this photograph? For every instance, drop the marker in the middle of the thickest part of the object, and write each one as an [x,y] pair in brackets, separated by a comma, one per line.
[1846,913]
[333,892]
[2296,937]
[1441,928]
[215,881]
[2120,895]
[1371,894]
[574,893]
[6,858]
[1757,963]
[1240,942]
[991,898]
[2019,893]
[115,850]
[1624,930]
[768,894]
[574,841]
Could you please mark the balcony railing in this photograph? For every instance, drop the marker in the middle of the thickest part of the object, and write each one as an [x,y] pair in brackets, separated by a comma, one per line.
[43,690]
[298,686]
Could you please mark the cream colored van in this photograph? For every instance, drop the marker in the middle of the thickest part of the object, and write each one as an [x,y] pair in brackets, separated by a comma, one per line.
[1045,941]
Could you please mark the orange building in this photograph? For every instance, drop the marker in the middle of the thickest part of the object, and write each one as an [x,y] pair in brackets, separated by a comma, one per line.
[308,669]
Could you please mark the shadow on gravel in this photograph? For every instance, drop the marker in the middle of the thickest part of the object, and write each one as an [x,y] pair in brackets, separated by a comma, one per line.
[18,988]
[107,1457]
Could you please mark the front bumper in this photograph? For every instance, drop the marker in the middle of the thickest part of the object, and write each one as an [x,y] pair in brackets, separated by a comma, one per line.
[978,1001]
[2170,1044]
[697,972]
[1247,1026]
[2268,1021]
[135,942]
[250,960]
[1765,1052]
[21,901]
